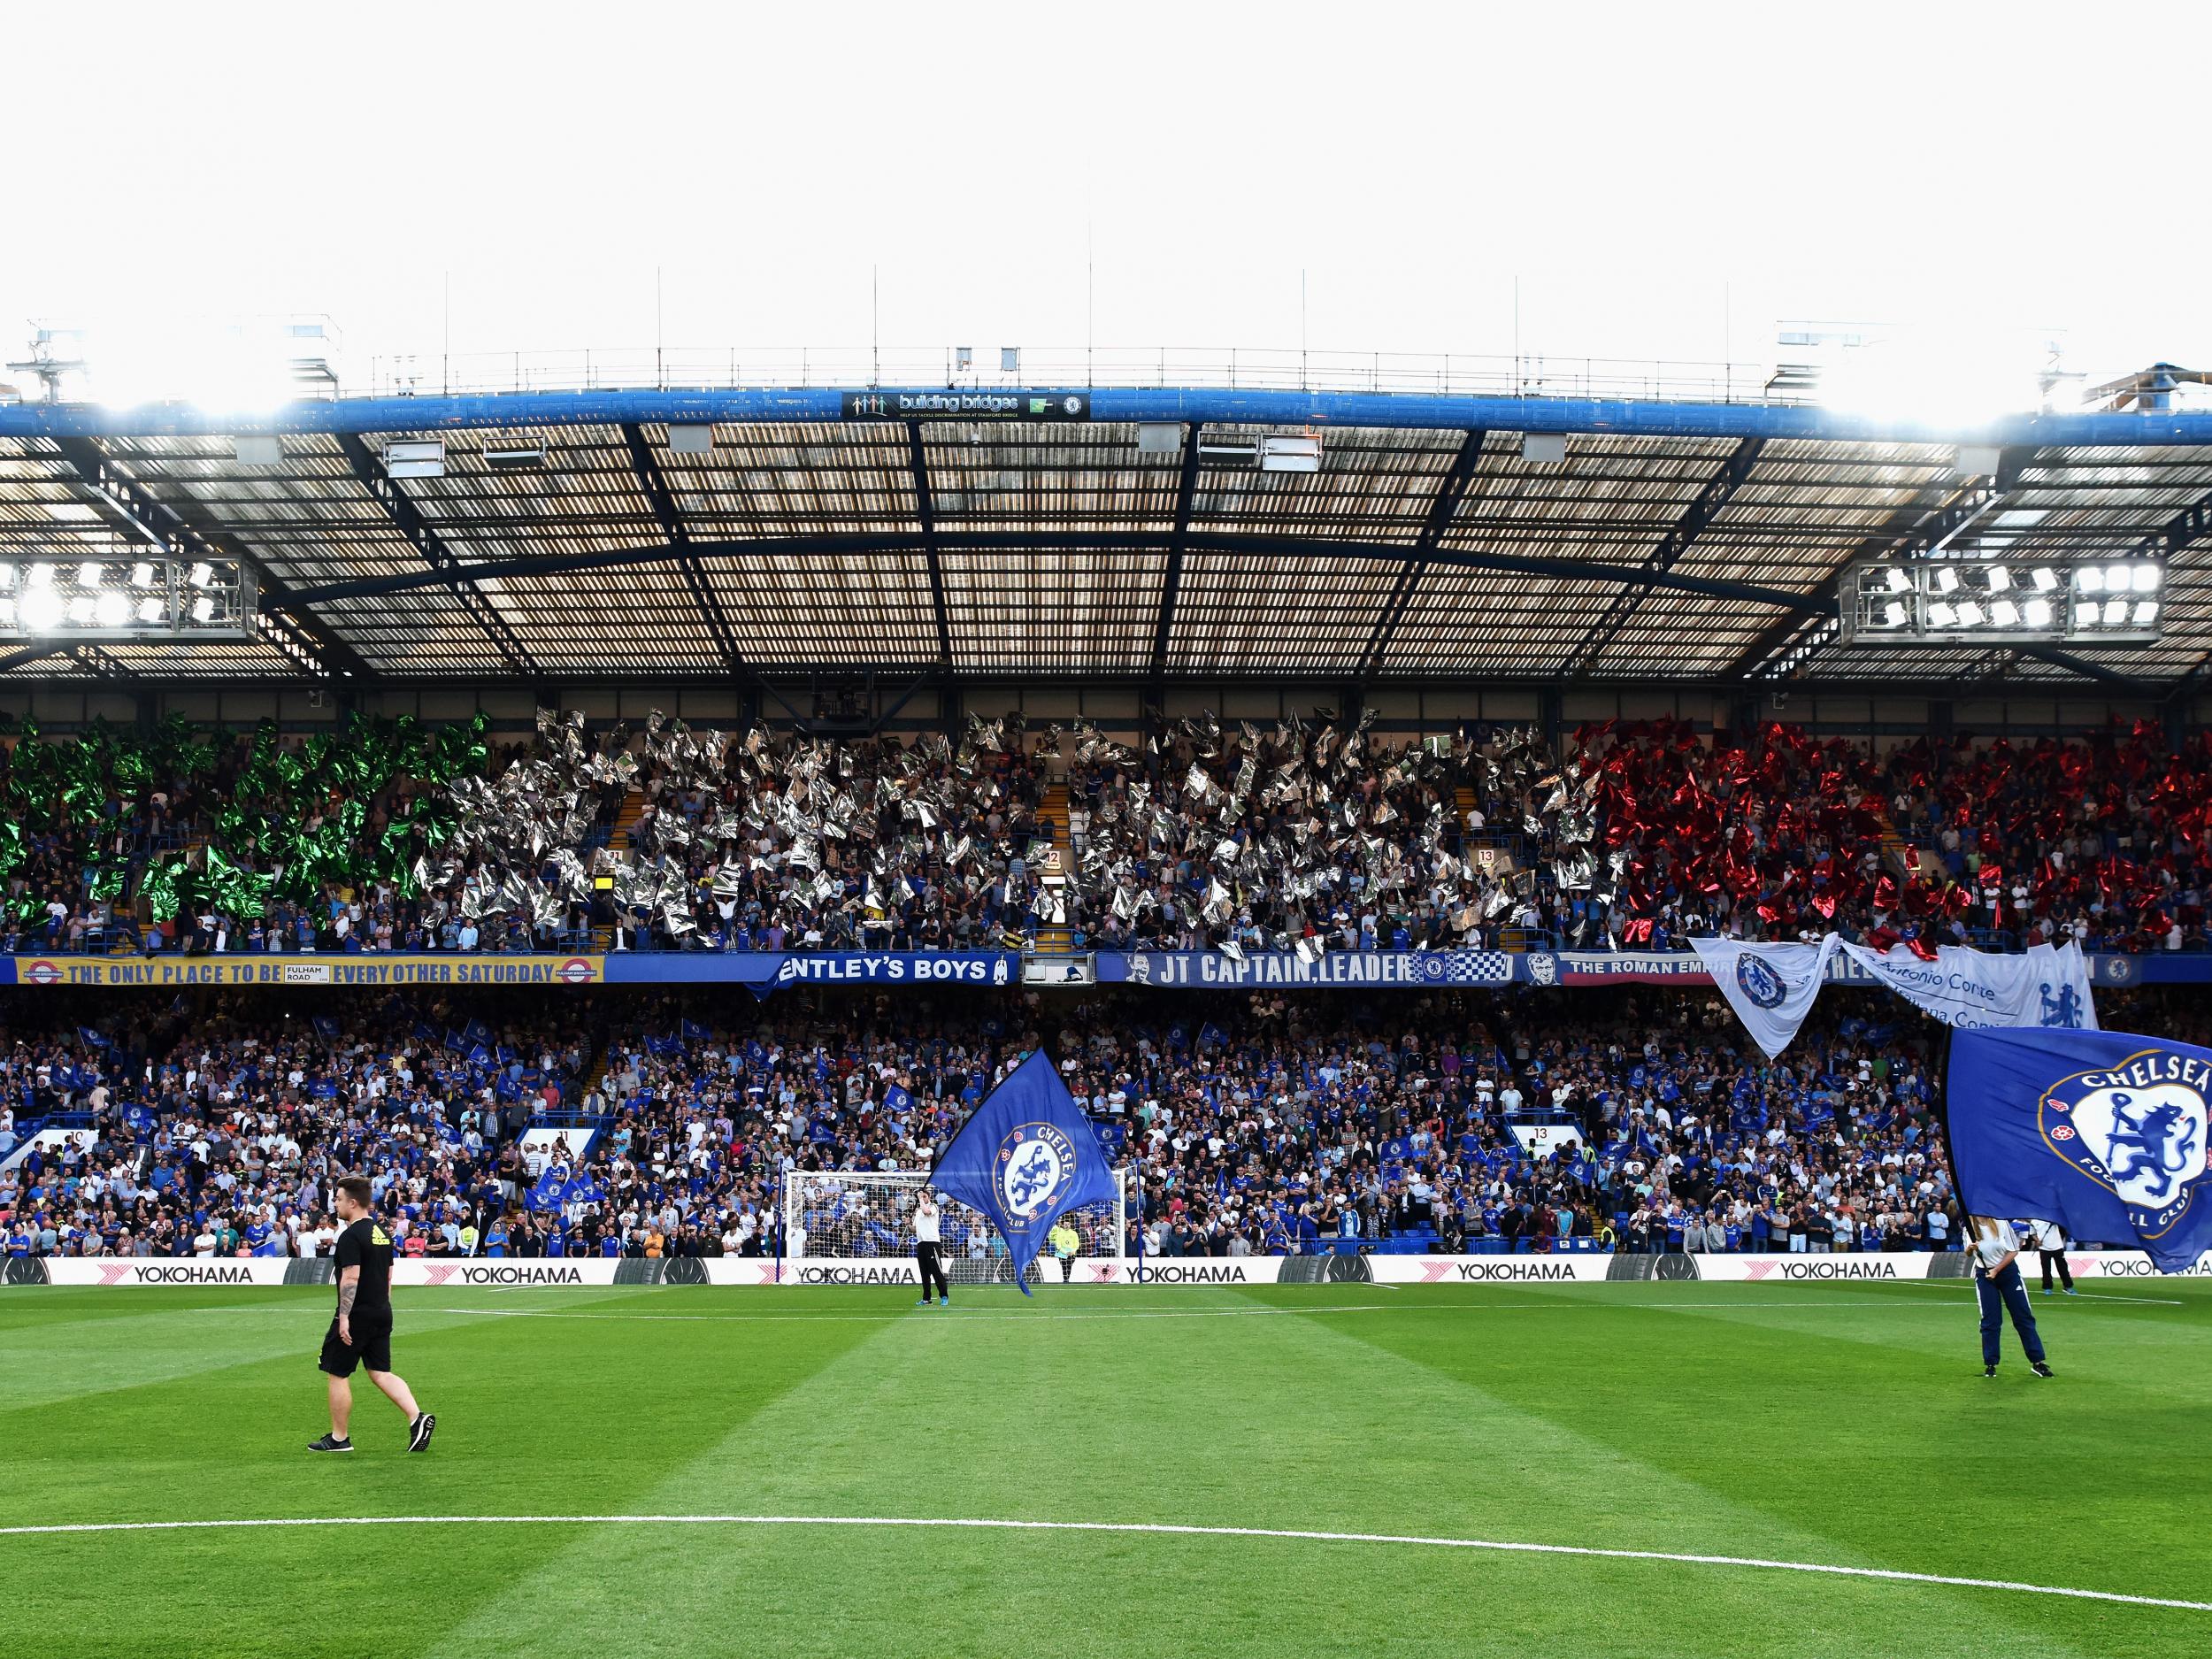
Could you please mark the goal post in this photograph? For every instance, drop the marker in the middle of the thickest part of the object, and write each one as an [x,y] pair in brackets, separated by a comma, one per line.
[864,1219]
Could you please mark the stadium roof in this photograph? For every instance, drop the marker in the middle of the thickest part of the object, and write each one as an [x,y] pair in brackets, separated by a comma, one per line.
[1677,542]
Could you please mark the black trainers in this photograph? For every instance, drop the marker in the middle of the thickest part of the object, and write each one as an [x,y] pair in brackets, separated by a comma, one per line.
[330,1443]
[2038,1368]
[1989,1371]
[419,1431]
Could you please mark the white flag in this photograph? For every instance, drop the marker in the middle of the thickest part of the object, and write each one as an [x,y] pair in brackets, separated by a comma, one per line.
[1772,988]
[1974,988]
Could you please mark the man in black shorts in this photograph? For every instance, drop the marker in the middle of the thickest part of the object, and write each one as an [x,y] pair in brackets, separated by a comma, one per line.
[362,1333]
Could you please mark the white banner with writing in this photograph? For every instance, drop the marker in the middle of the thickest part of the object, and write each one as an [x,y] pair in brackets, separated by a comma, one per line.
[2041,987]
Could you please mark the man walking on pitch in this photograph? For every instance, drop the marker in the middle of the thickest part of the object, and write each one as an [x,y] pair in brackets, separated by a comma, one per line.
[925,1229]
[1999,1288]
[362,1333]
[2050,1244]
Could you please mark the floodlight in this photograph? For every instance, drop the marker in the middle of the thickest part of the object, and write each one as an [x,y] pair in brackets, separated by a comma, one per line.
[95,599]
[2117,577]
[2045,579]
[1941,614]
[1970,614]
[1998,578]
[2089,578]
[2037,612]
[2146,612]
[1945,581]
[2004,613]
[1894,615]
[2146,580]
[1898,582]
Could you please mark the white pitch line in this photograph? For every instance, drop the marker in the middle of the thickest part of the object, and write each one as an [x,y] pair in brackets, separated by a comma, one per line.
[971,1315]
[1887,1574]
[2086,1295]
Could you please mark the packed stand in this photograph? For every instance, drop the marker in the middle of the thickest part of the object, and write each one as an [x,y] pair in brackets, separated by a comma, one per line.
[664,1126]
[387,835]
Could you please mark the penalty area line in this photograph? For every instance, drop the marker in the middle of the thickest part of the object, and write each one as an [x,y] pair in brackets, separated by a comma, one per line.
[1890,1575]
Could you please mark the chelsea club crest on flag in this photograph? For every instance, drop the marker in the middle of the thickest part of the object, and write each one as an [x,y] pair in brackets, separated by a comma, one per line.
[2104,1132]
[1026,1157]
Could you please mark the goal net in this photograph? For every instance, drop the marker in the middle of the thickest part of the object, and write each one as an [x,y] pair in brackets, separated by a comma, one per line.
[850,1226]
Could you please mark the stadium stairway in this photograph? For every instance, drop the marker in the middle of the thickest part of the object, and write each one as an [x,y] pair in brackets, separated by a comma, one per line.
[1900,856]
[1052,817]
[627,819]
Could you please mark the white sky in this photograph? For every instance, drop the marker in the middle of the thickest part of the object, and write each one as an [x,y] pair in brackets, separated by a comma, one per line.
[1666,180]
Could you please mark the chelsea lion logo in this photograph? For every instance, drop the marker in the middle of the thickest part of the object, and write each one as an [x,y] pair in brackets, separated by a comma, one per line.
[1761,984]
[2146,1144]
[1036,1164]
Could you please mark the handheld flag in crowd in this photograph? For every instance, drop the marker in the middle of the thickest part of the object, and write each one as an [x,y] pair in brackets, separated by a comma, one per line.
[1772,988]
[92,1038]
[2100,1131]
[557,1188]
[327,1026]
[1025,1157]
[897,1102]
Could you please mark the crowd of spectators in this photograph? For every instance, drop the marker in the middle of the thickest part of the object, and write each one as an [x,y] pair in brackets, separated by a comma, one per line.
[1298,837]
[1257,1124]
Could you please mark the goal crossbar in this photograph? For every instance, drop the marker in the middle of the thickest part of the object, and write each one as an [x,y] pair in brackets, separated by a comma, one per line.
[865,1218]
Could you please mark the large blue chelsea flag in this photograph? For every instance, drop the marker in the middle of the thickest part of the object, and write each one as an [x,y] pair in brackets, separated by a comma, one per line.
[2100,1132]
[1025,1156]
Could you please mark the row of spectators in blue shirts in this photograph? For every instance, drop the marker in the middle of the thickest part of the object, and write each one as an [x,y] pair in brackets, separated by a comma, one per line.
[1262,1124]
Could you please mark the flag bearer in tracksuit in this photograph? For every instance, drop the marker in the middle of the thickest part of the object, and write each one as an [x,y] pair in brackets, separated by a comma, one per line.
[1999,1288]
[2050,1244]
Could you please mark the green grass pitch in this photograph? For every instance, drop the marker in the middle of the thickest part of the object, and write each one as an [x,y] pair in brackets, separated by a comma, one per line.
[1835,1424]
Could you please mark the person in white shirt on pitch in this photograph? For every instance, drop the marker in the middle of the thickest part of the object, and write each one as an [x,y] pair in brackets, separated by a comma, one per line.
[2050,1243]
[926,1242]
[1999,1289]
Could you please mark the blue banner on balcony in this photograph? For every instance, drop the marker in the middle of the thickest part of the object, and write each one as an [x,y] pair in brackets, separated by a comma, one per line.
[1409,970]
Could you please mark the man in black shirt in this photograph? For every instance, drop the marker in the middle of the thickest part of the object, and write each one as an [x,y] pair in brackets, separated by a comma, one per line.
[362,1333]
